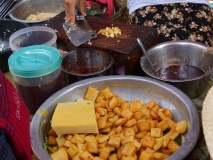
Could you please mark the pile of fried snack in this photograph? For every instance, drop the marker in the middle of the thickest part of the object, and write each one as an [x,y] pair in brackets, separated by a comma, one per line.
[128,130]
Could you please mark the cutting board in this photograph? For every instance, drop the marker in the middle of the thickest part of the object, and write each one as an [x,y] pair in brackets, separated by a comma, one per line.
[125,43]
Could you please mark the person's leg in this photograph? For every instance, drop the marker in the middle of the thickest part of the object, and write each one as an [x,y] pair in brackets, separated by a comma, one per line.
[199,24]
[172,22]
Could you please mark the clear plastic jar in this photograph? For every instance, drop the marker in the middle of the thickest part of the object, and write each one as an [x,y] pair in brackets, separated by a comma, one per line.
[36,71]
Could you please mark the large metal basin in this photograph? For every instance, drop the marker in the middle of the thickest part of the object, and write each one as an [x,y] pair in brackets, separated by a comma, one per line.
[182,53]
[129,88]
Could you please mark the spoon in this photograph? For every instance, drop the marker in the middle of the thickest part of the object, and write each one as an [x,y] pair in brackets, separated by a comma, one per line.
[145,54]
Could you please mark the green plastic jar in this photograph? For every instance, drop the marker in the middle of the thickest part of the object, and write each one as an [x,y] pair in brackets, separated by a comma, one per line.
[36,71]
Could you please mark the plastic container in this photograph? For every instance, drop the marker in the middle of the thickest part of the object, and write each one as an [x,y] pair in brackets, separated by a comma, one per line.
[36,71]
[37,35]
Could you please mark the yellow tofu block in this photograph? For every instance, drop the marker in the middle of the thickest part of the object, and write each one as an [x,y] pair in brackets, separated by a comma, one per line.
[74,117]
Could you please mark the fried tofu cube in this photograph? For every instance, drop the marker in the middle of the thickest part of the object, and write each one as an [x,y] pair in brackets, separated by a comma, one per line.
[126,113]
[141,134]
[86,155]
[146,156]
[113,102]
[129,149]
[102,121]
[143,126]
[102,145]
[130,158]
[173,146]
[160,156]
[148,141]
[90,138]
[181,127]
[168,113]
[166,139]
[72,150]
[130,123]
[60,140]
[156,132]
[52,140]
[113,157]
[162,115]
[151,104]
[102,138]
[135,106]
[115,140]
[77,139]
[52,133]
[67,144]
[91,94]
[92,147]
[137,115]
[137,144]
[174,135]
[129,131]
[158,143]
[163,125]
[61,154]
[107,93]
[52,149]
[96,158]
[104,153]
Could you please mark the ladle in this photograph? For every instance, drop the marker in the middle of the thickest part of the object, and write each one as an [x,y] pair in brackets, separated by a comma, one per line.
[145,54]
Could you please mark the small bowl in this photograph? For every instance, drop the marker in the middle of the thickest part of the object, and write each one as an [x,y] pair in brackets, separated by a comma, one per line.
[25,8]
[180,63]
[86,63]
[129,88]
[8,27]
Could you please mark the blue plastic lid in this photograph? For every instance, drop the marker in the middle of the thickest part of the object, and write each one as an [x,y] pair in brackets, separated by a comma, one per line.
[34,61]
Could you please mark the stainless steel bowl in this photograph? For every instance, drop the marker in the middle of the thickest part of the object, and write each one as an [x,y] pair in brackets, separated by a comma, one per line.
[182,53]
[25,8]
[129,88]
[86,63]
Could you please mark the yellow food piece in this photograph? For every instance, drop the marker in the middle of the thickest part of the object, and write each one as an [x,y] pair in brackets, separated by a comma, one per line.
[129,130]
[61,154]
[40,16]
[91,94]
[110,32]
[74,117]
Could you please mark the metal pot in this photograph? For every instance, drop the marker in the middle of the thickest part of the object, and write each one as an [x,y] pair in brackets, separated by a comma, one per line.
[86,63]
[181,53]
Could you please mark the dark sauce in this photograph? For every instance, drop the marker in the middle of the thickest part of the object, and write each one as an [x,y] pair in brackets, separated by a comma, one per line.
[34,96]
[177,72]
[87,69]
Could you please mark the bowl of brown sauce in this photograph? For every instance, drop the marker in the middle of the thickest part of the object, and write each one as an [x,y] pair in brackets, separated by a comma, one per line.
[180,63]
[86,63]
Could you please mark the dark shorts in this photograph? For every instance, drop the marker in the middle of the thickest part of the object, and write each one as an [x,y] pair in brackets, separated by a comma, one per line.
[179,21]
